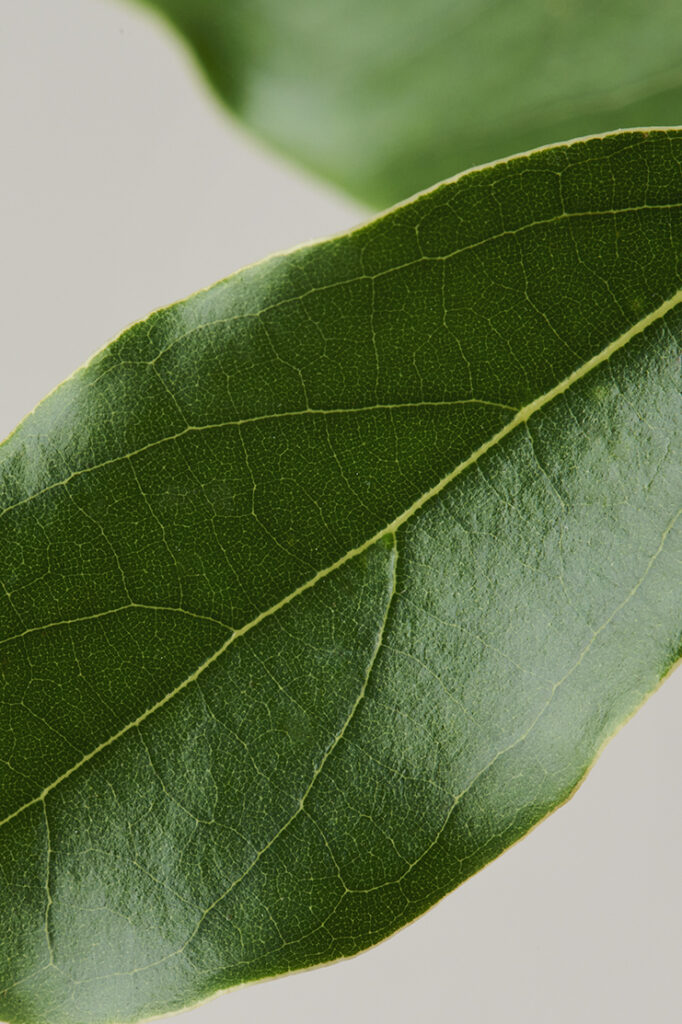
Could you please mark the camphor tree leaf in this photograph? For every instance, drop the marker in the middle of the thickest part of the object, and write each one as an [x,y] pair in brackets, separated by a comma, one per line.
[321,588]
[384,97]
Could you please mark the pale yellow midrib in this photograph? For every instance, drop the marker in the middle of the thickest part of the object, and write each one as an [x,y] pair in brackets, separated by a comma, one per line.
[521,417]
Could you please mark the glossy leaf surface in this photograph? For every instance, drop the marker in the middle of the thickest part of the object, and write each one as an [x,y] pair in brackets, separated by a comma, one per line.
[384,97]
[319,589]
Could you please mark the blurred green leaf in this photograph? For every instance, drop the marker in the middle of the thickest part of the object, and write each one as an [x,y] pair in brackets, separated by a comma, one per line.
[384,97]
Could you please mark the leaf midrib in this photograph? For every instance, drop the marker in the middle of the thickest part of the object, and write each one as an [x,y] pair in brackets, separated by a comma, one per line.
[521,417]
[455,799]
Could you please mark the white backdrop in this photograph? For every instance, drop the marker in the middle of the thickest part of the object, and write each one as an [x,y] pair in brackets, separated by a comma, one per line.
[123,187]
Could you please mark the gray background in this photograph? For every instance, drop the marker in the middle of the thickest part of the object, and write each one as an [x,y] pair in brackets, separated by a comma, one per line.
[125,187]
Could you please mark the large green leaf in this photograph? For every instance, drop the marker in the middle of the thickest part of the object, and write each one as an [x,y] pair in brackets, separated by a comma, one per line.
[385,97]
[319,589]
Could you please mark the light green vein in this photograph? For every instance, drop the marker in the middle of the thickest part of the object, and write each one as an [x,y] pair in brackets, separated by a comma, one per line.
[327,754]
[267,417]
[113,611]
[300,805]
[456,799]
[558,218]
[520,418]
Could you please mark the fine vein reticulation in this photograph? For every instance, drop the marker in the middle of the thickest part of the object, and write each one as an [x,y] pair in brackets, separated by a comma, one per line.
[321,588]
[521,417]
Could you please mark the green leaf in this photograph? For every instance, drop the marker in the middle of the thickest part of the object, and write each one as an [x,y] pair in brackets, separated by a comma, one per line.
[384,97]
[319,589]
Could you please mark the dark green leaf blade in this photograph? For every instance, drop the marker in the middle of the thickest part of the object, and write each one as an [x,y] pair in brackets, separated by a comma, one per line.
[384,97]
[319,589]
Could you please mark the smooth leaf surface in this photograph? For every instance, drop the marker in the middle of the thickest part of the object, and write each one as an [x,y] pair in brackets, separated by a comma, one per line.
[321,588]
[384,97]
